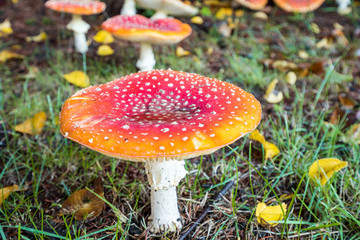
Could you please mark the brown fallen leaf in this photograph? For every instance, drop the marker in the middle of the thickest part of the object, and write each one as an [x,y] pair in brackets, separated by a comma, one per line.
[84,204]
[32,125]
[336,116]
[346,101]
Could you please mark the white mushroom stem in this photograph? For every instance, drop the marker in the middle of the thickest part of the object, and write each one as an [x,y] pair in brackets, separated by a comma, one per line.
[80,28]
[159,15]
[343,6]
[146,60]
[164,177]
[128,8]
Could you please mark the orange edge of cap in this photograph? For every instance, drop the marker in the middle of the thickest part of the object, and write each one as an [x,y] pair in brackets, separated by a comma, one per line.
[311,5]
[76,8]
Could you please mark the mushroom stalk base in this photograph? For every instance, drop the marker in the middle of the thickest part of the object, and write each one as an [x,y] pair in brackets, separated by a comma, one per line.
[159,15]
[146,60]
[80,28]
[128,8]
[163,177]
[344,8]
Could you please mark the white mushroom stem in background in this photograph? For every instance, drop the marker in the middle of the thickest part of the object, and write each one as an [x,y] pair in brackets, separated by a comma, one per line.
[128,8]
[146,60]
[343,7]
[164,176]
[159,15]
[80,28]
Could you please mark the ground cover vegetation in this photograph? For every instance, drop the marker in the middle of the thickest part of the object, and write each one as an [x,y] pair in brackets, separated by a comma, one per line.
[303,68]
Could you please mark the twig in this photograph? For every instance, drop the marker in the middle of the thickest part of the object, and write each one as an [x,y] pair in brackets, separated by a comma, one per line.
[207,209]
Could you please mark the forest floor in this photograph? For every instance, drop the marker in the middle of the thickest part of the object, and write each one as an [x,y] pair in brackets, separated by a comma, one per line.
[318,117]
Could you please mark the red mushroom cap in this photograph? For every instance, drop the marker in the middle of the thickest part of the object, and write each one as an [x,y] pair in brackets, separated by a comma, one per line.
[138,28]
[159,115]
[299,5]
[253,4]
[80,7]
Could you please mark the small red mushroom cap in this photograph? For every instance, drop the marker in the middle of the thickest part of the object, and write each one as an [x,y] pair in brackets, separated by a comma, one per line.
[79,7]
[299,5]
[159,115]
[138,28]
[253,4]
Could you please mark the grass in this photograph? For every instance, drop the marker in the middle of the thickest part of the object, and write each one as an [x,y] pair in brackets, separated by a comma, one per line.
[50,168]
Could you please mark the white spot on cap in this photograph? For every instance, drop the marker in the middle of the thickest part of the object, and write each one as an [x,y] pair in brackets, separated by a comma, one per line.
[212,135]
[91,140]
[162,148]
[125,127]
[185,138]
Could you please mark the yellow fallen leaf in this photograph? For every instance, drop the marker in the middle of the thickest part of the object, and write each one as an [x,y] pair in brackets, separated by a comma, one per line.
[315,28]
[197,20]
[257,136]
[32,125]
[271,150]
[84,204]
[103,37]
[284,65]
[210,50]
[5,55]
[303,54]
[78,78]
[105,50]
[239,13]
[42,36]
[180,52]
[223,13]
[270,214]
[261,15]
[323,169]
[272,95]
[5,192]
[196,59]
[324,43]
[291,78]
[5,28]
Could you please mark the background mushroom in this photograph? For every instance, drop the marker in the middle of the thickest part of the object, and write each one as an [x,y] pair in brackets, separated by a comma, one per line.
[299,5]
[77,25]
[146,31]
[165,7]
[160,117]
[129,8]
[253,4]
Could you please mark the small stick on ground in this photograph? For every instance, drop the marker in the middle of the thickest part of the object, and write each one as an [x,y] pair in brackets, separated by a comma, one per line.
[207,209]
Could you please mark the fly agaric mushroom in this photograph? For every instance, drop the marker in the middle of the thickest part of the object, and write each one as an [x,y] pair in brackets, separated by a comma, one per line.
[77,25]
[160,117]
[253,4]
[165,7]
[301,6]
[128,8]
[138,28]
